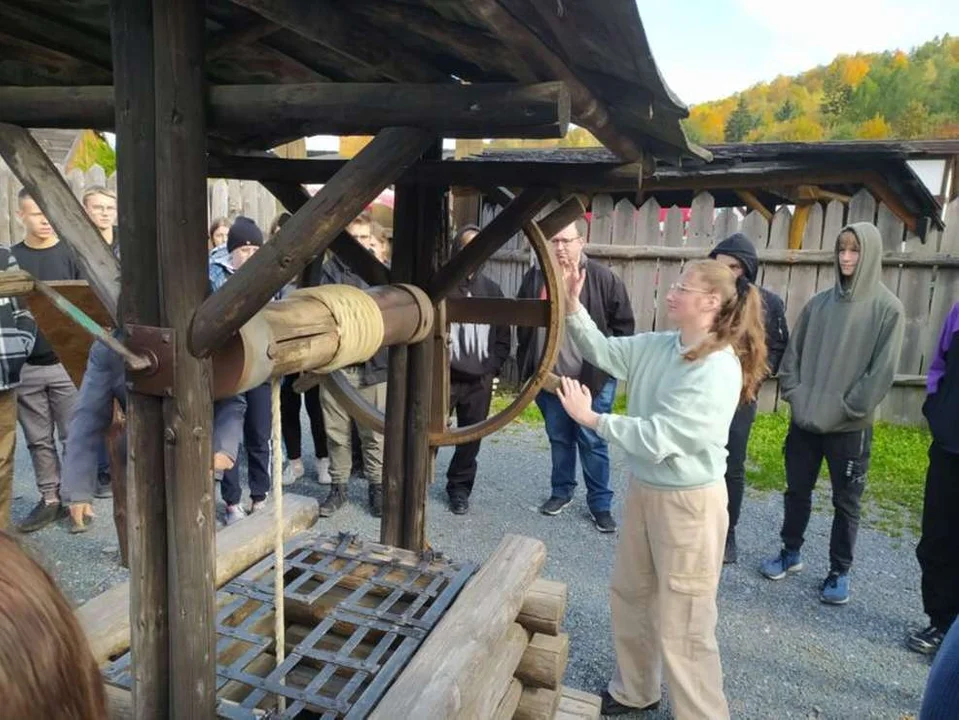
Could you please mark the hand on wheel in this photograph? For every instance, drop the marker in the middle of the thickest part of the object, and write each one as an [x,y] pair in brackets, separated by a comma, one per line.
[574,278]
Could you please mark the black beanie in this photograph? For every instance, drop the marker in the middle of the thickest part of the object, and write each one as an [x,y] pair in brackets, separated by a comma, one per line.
[243,232]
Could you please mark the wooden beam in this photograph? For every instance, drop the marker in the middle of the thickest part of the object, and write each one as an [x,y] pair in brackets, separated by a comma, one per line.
[51,192]
[498,311]
[797,227]
[84,45]
[307,234]
[569,211]
[490,239]
[540,110]
[587,109]
[324,22]
[878,186]
[231,39]
[753,203]
[181,189]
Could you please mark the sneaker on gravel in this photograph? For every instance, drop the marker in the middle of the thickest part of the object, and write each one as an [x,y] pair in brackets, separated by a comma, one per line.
[323,471]
[459,504]
[603,520]
[926,641]
[835,589]
[43,514]
[335,499]
[257,505]
[555,505]
[292,472]
[612,706]
[785,563]
[104,486]
[730,552]
[234,513]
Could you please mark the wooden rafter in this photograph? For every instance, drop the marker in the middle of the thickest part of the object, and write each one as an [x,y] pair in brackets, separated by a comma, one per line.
[233,38]
[754,203]
[81,45]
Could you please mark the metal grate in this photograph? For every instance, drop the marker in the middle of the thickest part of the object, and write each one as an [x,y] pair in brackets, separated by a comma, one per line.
[355,614]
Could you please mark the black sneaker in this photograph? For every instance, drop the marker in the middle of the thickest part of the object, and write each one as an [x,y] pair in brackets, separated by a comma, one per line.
[104,486]
[334,500]
[555,505]
[376,500]
[603,520]
[42,515]
[731,552]
[611,706]
[926,641]
[459,504]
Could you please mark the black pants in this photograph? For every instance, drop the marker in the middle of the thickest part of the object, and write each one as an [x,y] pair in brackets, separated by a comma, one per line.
[736,461]
[290,403]
[257,428]
[847,455]
[470,400]
[938,550]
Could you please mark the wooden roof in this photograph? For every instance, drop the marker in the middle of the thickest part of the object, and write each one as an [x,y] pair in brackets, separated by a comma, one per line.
[599,45]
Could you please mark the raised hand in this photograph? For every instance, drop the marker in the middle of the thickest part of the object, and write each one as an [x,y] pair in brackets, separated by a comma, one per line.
[577,401]
[574,278]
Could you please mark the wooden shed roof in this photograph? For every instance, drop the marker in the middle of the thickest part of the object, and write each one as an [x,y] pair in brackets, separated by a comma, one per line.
[598,48]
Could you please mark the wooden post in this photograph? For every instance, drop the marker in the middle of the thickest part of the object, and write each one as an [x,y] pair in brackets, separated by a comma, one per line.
[131,23]
[181,222]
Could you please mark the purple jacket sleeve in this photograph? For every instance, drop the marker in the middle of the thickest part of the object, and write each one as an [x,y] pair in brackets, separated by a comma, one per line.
[937,367]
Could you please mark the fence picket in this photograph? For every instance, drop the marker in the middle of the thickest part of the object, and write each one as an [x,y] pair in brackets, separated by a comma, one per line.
[669,270]
[643,287]
[802,279]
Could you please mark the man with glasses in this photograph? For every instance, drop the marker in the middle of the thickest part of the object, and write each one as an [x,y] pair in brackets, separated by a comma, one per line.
[604,297]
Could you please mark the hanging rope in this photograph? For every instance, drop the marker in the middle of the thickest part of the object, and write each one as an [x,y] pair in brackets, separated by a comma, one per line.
[279,625]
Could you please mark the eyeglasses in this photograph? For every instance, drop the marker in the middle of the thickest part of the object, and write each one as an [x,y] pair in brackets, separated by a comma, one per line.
[680,288]
[564,241]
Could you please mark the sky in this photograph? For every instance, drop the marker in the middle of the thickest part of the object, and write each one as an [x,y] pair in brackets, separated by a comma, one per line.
[708,50]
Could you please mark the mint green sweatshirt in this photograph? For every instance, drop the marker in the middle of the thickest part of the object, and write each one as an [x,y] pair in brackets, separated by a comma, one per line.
[678,412]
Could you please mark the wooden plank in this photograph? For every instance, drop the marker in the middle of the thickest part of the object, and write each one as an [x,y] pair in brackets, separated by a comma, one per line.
[669,270]
[642,288]
[568,211]
[184,283]
[832,225]
[498,311]
[522,209]
[31,165]
[754,204]
[147,601]
[537,704]
[625,218]
[727,223]
[701,232]
[440,680]
[891,231]
[106,620]
[578,705]
[307,234]
[601,223]
[862,208]
[946,289]
[499,675]
[802,281]
[915,292]
[544,661]
[776,277]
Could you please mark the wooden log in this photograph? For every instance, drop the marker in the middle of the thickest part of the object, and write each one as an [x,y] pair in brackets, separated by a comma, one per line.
[509,702]
[104,619]
[146,600]
[544,662]
[537,704]
[578,705]
[544,607]
[307,234]
[499,676]
[51,192]
[490,239]
[118,481]
[569,211]
[440,680]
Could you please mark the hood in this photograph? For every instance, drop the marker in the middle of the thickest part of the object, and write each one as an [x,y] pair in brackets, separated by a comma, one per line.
[868,274]
[740,247]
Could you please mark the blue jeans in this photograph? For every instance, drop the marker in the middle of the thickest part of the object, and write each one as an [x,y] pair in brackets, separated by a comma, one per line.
[565,435]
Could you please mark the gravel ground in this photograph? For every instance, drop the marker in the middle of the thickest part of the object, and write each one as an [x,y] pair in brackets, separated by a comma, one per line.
[785,655]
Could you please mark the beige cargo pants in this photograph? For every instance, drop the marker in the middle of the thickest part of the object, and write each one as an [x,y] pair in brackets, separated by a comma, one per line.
[663,599]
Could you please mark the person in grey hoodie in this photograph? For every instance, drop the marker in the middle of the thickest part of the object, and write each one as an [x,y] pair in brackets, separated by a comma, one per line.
[839,364]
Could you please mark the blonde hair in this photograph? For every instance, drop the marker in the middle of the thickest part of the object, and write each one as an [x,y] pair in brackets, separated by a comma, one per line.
[46,667]
[97,190]
[738,323]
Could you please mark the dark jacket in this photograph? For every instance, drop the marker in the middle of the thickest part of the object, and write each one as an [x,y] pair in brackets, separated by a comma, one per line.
[477,350]
[605,298]
[337,272]
[18,330]
[942,403]
[774,311]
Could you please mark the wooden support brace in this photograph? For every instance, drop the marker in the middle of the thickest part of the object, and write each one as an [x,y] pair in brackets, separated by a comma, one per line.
[234,38]
[51,192]
[878,186]
[308,233]
[797,227]
[753,203]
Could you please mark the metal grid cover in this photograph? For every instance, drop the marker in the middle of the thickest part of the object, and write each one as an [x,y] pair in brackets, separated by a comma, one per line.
[355,614]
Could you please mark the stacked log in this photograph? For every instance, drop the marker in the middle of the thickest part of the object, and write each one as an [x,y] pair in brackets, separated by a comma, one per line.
[499,651]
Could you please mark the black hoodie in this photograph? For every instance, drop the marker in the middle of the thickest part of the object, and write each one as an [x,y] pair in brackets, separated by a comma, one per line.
[774,311]
[477,349]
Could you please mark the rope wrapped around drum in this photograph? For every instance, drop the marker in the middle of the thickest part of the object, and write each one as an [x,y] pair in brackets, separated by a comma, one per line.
[359,324]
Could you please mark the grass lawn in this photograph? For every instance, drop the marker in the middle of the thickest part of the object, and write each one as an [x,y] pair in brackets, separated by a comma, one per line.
[897,471]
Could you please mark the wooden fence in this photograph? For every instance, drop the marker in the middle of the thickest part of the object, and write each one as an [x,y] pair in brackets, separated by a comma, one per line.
[648,255]
[225,198]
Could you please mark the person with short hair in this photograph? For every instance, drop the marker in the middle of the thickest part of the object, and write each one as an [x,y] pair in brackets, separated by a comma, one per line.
[683,389]
[607,302]
[100,204]
[46,393]
[738,253]
[839,364]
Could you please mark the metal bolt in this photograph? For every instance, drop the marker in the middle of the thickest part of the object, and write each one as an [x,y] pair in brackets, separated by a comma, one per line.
[166,338]
[130,385]
[169,434]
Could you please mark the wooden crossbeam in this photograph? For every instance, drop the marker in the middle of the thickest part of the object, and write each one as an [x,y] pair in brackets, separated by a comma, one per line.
[233,38]
[51,192]
[490,239]
[307,234]
[498,311]
[754,203]
[539,110]
[82,45]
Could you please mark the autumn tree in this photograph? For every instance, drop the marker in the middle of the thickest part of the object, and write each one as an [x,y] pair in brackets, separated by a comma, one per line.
[740,122]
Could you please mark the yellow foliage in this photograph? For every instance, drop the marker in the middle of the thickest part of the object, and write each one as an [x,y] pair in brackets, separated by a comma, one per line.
[579,137]
[709,121]
[853,70]
[875,128]
[900,59]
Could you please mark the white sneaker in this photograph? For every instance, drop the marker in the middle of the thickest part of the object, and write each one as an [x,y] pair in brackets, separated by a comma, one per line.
[257,505]
[234,513]
[323,471]
[294,471]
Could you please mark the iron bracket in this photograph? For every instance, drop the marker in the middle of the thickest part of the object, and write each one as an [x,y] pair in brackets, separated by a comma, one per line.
[159,345]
